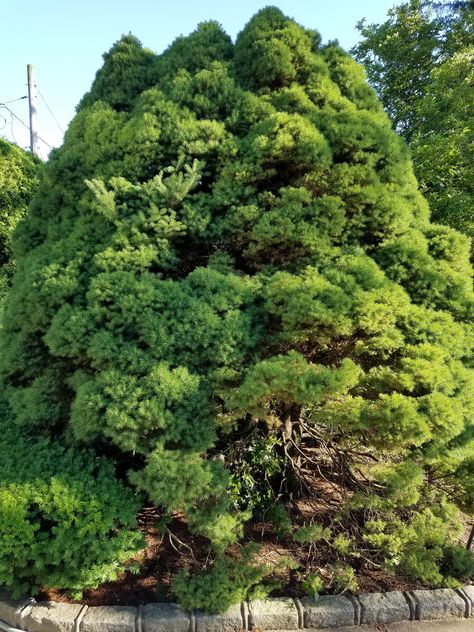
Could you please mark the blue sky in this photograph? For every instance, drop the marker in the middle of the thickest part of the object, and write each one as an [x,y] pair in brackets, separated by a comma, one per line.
[64,40]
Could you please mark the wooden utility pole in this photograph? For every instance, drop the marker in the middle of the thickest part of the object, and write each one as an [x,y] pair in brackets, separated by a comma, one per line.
[32,104]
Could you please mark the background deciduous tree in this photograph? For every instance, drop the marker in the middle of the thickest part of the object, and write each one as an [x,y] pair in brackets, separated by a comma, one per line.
[18,181]
[421,63]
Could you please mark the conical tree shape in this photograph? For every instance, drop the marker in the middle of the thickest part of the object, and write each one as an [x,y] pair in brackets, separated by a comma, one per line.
[232,246]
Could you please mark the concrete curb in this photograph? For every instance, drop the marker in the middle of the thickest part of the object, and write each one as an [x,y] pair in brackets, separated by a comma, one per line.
[283,613]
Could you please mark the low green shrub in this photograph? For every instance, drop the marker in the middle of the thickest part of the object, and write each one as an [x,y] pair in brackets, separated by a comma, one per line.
[311,533]
[421,546]
[458,563]
[343,545]
[65,520]
[226,582]
[278,517]
[343,578]
[312,585]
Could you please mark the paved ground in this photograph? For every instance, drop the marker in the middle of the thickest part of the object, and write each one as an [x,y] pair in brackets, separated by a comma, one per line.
[461,625]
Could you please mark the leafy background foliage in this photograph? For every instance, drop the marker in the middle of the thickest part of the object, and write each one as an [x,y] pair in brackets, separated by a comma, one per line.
[18,181]
[421,63]
[228,284]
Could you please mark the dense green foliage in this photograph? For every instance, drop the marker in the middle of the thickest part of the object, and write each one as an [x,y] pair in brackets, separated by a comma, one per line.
[443,149]
[18,181]
[227,582]
[228,282]
[421,61]
[65,522]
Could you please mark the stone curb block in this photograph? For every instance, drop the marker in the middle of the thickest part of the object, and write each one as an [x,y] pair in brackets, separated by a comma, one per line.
[279,613]
[109,619]
[165,617]
[11,610]
[389,607]
[50,616]
[442,603]
[283,613]
[329,611]
[230,621]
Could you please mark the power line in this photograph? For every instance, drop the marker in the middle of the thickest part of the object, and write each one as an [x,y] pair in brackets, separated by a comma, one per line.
[49,110]
[14,100]
[11,129]
[43,141]
[13,115]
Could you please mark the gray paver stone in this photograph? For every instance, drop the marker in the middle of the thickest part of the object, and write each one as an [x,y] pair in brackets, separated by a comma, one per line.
[10,609]
[165,617]
[442,603]
[230,621]
[109,619]
[328,611]
[389,607]
[279,613]
[469,592]
[50,616]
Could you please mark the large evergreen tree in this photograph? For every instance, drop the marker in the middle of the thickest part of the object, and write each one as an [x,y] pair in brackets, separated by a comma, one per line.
[230,256]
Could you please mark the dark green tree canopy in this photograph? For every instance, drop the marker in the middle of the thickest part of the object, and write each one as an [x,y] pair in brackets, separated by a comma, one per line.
[231,243]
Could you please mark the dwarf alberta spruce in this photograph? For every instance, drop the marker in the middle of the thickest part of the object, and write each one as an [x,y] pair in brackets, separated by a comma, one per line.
[231,247]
